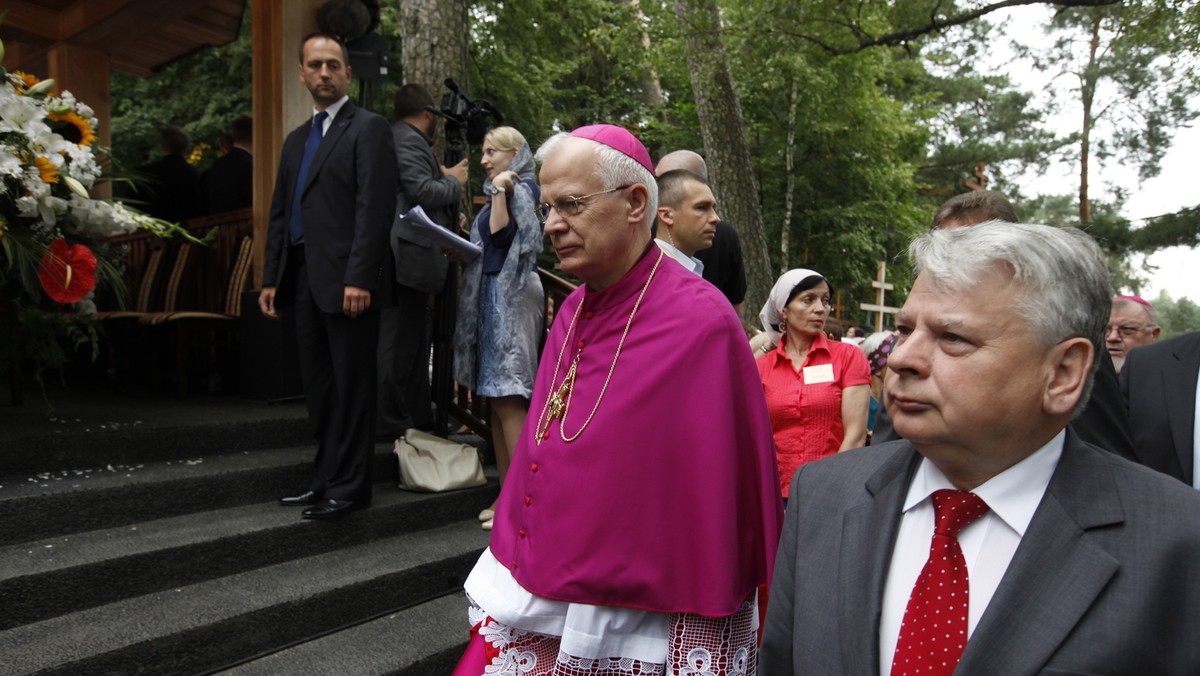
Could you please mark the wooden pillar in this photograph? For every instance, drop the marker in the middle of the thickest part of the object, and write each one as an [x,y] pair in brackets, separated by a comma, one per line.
[281,101]
[84,73]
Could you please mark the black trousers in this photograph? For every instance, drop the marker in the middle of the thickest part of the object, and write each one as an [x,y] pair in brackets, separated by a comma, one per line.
[404,346]
[337,365]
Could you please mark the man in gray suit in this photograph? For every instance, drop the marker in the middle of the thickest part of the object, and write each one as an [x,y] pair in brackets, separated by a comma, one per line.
[404,341]
[1071,560]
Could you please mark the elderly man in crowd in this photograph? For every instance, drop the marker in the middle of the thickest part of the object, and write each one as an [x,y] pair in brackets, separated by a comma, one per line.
[1133,323]
[641,510]
[1046,553]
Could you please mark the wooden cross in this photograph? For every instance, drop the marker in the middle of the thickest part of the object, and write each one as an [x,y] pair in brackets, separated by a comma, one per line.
[981,178]
[881,287]
[839,310]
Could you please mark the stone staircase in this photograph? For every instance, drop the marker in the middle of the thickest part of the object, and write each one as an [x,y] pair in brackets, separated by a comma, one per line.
[156,547]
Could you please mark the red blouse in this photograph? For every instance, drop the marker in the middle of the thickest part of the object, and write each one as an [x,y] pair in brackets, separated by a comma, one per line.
[806,406]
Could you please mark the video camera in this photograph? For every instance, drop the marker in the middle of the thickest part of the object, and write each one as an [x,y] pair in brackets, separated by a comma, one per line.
[467,121]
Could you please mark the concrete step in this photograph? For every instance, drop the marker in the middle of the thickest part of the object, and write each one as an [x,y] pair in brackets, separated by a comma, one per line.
[423,640]
[75,499]
[63,574]
[128,443]
[201,626]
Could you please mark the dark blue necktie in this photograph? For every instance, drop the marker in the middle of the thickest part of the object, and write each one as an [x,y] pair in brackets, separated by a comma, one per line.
[315,134]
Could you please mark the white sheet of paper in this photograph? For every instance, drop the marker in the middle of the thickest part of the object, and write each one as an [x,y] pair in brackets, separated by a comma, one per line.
[419,220]
[821,373]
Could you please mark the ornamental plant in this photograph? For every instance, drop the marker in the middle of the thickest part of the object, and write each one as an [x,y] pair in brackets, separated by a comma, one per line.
[52,254]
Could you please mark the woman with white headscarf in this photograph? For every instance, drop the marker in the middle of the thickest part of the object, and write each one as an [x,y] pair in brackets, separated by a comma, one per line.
[817,390]
[501,309]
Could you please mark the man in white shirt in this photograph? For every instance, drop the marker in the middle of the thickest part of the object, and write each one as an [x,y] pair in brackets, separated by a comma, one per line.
[1081,562]
[687,217]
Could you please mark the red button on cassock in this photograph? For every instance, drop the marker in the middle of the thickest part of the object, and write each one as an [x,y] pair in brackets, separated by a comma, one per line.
[582,343]
[588,315]
[528,501]
[521,532]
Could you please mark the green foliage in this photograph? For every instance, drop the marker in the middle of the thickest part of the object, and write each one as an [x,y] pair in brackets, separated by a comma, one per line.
[1176,317]
[1134,90]
[557,65]
[202,93]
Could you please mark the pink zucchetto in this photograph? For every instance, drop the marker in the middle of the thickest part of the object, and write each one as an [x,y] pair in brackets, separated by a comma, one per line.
[619,139]
[1136,299]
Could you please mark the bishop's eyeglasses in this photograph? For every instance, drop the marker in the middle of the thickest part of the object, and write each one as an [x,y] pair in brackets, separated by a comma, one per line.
[569,205]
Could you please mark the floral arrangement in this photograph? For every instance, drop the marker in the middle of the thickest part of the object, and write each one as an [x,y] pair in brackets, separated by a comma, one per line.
[51,229]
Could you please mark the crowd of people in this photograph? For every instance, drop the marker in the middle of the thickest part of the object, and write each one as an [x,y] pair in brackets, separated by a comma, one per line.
[678,499]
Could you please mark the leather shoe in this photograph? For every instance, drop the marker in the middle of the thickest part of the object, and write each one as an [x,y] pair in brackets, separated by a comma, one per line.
[303,500]
[332,509]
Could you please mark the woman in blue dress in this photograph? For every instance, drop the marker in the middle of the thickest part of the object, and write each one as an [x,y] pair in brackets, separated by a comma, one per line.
[501,308]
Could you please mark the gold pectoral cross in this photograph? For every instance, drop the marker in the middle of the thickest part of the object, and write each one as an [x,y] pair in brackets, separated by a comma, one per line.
[557,405]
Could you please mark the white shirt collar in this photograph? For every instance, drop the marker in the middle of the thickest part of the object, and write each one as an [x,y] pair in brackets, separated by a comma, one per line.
[1013,495]
[693,264]
[332,109]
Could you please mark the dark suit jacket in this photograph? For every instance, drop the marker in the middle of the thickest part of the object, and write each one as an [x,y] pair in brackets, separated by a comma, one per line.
[1106,579]
[348,201]
[1159,384]
[419,261]
[172,189]
[229,182]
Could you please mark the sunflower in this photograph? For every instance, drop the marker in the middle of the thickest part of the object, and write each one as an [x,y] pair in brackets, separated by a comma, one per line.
[47,169]
[26,78]
[74,128]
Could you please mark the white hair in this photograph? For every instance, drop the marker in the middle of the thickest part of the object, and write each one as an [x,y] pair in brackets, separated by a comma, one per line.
[1061,271]
[613,168]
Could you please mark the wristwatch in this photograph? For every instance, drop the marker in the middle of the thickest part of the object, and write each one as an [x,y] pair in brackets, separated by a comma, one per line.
[493,190]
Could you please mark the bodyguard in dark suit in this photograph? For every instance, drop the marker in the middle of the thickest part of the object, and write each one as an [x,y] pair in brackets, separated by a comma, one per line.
[404,341]
[326,262]
[1159,383]
[1049,555]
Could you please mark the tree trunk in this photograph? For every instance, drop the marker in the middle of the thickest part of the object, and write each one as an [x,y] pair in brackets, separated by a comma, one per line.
[725,145]
[652,93]
[1087,87]
[789,165]
[434,36]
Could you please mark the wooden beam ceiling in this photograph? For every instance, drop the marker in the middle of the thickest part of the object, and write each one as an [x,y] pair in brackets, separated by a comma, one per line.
[139,36]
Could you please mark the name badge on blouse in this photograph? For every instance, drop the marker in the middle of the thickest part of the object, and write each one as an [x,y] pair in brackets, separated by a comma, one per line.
[821,373]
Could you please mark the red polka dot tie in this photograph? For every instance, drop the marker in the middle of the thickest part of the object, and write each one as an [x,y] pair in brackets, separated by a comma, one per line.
[934,631]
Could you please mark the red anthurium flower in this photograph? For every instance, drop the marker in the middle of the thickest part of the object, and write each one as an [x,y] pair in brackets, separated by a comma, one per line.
[68,272]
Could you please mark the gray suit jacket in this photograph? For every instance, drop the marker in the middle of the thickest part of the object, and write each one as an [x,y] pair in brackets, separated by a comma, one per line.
[419,261]
[1105,581]
[1159,384]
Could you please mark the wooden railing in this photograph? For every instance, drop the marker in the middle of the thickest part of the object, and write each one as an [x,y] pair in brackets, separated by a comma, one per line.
[208,270]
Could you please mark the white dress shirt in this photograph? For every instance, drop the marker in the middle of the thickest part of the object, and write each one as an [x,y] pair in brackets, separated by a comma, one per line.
[693,264]
[332,109]
[1196,439]
[987,545]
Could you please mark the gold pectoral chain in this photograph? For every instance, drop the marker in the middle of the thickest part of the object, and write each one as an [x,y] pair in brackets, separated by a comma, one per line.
[559,403]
